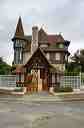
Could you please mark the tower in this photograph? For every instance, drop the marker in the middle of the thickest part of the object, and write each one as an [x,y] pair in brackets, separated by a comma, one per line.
[18,43]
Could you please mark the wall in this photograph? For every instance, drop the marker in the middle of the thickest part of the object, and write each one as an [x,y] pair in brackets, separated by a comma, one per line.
[60,67]
[26,56]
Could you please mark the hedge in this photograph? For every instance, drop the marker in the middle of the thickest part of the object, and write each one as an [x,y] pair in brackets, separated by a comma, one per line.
[63,89]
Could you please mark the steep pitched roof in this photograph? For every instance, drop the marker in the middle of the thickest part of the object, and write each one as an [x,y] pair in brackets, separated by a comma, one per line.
[19,28]
[42,36]
[52,38]
[55,38]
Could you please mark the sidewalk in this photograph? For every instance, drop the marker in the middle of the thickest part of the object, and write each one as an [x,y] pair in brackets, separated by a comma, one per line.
[54,98]
[46,97]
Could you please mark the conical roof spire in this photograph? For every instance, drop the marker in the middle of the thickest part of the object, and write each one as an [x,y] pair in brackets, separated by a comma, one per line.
[19,28]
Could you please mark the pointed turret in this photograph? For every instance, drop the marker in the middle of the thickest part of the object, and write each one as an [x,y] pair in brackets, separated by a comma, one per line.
[19,28]
[18,40]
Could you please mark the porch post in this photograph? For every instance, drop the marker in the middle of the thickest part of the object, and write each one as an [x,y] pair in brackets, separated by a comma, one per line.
[39,81]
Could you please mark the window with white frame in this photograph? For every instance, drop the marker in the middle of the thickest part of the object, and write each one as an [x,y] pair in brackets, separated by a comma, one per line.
[20,55]
[57,56]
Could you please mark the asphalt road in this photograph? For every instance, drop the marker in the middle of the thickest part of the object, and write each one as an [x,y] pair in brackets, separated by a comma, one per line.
[19,114]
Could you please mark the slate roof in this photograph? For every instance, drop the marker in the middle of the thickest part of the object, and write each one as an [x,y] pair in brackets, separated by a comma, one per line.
[55,38]
[48,38]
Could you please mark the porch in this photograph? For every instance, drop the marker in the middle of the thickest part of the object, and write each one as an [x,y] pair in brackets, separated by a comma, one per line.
[43,74]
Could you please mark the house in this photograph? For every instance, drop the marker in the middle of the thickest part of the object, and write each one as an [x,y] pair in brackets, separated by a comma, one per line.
[41,54]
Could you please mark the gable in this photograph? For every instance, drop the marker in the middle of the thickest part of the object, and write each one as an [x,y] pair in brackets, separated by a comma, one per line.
[38,60]
[42,36]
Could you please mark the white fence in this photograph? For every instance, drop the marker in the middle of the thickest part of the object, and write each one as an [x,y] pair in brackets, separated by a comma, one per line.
[71,81]
[7,81]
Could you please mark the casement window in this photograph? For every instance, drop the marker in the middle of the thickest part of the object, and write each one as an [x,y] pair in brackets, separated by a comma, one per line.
[61,45]
[17,57]
[52,56]
[20,56]
[57,56]
[18,77]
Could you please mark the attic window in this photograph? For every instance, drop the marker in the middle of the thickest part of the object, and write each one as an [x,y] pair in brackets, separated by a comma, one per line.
[61,45]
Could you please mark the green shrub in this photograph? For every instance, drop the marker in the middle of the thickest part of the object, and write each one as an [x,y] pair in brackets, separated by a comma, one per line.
[18,89]
[63,89]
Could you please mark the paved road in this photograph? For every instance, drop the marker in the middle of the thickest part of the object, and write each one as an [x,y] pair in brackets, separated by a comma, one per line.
[19,114]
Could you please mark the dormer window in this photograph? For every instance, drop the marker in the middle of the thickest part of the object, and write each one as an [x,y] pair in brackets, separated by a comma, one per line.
[61,45]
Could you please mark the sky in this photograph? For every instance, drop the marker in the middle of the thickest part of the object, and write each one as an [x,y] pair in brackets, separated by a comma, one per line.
[55,16]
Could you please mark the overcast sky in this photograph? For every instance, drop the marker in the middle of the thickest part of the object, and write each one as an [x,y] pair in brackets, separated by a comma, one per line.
[65,16]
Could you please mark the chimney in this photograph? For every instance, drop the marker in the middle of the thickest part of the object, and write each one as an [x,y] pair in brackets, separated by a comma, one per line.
[34,43]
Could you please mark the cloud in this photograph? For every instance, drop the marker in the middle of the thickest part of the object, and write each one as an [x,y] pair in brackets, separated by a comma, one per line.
[64,16]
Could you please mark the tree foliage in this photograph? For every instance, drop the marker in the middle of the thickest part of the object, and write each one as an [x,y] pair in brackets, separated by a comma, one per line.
[4,67]
[77,62]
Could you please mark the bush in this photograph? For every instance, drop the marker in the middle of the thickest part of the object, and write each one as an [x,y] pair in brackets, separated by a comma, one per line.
[18,89]
[63,89]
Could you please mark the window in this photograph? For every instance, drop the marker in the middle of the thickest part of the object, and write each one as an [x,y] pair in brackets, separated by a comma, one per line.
[57,56]
[52,56]
[61,45]
[20,56]
[17,56]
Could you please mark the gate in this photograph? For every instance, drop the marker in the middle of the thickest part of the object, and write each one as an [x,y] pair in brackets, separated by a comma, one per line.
[33,87]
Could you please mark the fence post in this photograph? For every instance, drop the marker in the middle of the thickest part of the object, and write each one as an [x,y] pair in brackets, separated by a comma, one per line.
[80,79]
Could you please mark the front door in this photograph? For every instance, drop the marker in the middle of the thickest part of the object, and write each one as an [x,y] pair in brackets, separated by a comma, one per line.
[39,80]
[34,86]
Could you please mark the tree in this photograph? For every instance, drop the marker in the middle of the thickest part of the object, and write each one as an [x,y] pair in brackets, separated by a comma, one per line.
[77,62]
[4,67]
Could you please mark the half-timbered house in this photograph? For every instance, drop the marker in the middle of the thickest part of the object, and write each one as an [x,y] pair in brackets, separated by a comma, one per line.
[42,55]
